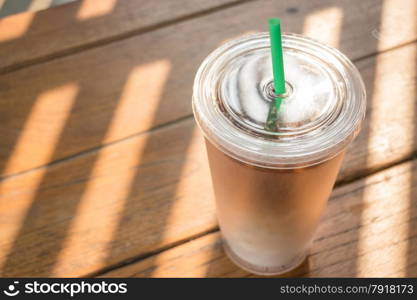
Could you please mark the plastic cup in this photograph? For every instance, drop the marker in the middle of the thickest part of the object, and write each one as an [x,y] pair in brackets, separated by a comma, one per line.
[272,177]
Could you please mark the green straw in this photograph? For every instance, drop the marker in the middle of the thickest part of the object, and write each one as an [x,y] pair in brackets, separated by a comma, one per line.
[277,61]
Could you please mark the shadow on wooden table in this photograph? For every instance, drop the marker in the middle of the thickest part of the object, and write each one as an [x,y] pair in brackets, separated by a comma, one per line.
[62,209]
[13,7]
[10,7]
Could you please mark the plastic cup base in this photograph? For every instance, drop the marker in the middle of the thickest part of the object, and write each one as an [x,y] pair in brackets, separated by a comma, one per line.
[265,271]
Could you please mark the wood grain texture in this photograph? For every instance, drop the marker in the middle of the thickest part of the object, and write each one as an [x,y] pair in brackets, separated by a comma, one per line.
[152,190]
[389,133]
[118,90]
[112,204]
[32,36]
[363,233]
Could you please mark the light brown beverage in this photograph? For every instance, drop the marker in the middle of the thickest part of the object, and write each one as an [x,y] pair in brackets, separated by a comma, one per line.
[261,210]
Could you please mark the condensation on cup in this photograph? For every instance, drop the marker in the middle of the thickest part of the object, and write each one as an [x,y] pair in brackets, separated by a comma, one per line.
[272,178]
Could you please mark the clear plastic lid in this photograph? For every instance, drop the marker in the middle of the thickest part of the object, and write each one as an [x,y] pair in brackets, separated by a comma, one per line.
[321,112]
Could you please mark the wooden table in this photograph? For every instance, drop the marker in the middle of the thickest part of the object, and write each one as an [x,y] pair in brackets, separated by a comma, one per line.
[103,172]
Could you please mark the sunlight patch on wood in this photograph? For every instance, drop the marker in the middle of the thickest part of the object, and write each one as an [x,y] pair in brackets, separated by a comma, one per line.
[181,212]
[13,210]
[395,82]
[39,4]
[89,9]
[324,25]
[391,30]
[15,27]
[49,114]
[145,83]
[383,230]
[190,183]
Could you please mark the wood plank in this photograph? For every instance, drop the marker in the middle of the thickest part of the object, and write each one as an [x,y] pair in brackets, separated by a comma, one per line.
[363,233]
[106,94]
[29,36]
[152,190]
[379,143]
[108,205]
